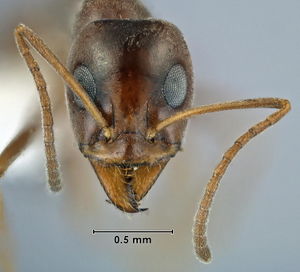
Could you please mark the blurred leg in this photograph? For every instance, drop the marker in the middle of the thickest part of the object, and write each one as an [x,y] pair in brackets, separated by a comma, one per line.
[14,149]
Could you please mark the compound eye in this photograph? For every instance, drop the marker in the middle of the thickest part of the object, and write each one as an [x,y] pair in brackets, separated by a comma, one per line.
[86,80]
[175,86]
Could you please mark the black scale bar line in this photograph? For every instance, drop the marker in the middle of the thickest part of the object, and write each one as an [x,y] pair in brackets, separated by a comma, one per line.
[133,231]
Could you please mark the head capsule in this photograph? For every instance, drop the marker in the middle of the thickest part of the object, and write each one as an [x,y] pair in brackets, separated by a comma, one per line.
[137,72]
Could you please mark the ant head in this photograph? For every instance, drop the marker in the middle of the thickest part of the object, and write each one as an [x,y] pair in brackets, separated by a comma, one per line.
[137,73]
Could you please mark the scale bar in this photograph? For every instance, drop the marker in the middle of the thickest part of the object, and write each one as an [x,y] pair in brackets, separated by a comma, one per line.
[133,231]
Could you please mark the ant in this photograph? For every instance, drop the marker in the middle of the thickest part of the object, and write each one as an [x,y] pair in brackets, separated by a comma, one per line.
[129,90]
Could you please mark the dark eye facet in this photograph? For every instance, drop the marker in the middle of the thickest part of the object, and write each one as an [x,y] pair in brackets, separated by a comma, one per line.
[175,86]
[86,80]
